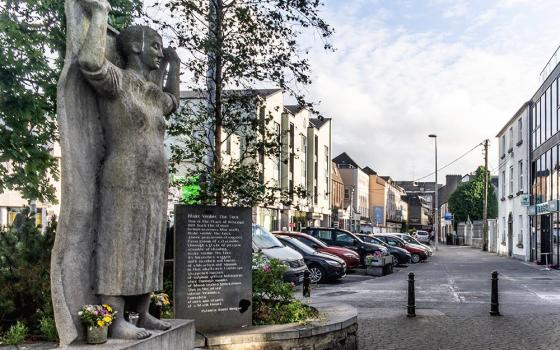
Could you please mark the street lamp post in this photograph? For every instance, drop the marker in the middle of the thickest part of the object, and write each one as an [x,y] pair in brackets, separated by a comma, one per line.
[436,206]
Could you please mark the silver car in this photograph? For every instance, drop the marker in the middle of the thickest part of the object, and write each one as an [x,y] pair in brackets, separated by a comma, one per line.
[422,237]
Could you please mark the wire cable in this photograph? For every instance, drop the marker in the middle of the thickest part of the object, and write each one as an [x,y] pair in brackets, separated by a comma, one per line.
[450,163]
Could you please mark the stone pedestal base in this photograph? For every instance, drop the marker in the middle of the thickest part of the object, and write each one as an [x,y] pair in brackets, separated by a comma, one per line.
[179,337]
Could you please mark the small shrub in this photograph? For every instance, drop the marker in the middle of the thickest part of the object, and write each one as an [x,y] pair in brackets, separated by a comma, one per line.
[273,300]
[16,334]
[48,328]
[25,254]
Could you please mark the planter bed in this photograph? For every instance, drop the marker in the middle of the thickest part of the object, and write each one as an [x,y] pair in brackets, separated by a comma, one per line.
[335,329]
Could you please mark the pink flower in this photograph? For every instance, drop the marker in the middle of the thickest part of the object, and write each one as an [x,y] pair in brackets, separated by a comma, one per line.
[266,268]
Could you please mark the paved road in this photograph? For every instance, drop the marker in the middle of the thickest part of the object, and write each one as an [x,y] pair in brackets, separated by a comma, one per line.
[453,301]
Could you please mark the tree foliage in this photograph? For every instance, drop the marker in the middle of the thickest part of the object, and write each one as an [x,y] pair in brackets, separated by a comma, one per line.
[32,33]
[235,46]
[468,199]
[24,271]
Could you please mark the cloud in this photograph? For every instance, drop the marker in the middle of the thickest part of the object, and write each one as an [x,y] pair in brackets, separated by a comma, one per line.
[391,83]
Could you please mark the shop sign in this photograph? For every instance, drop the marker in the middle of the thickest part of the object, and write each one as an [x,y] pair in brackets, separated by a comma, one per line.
[525,200]
[543,208]
[553,206]
[377,215]
[532,210]
[316,216]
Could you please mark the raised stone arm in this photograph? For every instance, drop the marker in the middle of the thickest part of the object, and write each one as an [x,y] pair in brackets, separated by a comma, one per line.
[172,85]
[92,53]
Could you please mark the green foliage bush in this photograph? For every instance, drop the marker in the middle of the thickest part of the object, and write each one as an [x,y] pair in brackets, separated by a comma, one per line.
[16,334]
[273,300]
[25,254]
[48,328]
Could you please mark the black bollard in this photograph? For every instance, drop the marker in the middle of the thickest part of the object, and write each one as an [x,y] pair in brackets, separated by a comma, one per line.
[494,304]
[306,284]
[411,308]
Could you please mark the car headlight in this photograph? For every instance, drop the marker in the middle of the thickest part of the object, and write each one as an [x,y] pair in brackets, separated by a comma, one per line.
[333,263]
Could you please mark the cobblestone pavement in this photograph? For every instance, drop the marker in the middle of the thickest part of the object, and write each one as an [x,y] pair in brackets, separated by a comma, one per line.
[453,304]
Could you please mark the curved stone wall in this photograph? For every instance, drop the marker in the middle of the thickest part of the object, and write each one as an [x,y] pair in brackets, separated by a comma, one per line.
[335,329]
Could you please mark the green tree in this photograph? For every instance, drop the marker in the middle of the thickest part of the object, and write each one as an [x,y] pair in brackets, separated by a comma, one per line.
[468,199]
[32,33]
[238,45]
[24,271]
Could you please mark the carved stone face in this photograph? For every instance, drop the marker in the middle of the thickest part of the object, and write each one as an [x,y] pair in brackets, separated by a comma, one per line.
[152,50]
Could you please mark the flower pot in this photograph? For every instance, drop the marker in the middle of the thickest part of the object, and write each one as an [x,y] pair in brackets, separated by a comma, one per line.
[96,335]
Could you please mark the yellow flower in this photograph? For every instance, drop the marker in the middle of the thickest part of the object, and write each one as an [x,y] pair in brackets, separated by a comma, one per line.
[109,308]
[107,319]
[100,323]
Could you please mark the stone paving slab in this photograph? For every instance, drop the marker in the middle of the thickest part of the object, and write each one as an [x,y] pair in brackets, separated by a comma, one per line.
[453,304]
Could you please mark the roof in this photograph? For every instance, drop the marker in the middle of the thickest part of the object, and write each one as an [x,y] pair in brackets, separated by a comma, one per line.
[294,109]
[191,94]
[344,159]
[319,122]
[369,171]
[515,116]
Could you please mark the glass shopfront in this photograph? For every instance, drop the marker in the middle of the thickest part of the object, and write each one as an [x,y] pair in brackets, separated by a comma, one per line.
[545,245]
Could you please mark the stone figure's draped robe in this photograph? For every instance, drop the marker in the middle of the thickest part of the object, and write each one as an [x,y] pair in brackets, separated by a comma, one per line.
[133,182]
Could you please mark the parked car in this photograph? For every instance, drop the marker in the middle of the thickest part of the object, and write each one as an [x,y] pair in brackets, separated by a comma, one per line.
[401,256]
[422,236]
[417,253]
[322,266]
[409,239]
[265,243]
[350,257]
[342,238]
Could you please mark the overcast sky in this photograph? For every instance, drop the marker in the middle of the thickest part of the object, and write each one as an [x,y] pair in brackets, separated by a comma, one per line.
[406,68]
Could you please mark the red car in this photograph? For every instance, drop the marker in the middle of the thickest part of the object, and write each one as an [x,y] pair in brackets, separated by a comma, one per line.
[351,258]
[417,253]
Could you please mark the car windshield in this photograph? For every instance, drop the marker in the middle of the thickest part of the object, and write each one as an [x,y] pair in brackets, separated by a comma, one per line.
[378,241]
[408,239]
[264,239]
[301,246]
[315,241]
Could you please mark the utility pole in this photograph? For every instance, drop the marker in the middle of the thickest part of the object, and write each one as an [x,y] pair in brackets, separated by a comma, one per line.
[436,204]
[485,208]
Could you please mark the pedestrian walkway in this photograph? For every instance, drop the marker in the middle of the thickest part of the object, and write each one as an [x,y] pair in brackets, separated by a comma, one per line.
[453,304]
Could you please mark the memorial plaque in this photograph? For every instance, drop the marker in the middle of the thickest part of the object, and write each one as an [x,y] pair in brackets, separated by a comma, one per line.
[213,249]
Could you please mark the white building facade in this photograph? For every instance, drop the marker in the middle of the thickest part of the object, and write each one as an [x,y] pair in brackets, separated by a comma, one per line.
[513,187]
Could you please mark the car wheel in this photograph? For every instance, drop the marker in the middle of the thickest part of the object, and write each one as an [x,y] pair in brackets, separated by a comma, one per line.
[415,258]
[395,261]
[316,274]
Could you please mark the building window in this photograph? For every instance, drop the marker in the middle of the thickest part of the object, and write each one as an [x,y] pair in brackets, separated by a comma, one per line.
[520,130]
[511,138]
[346,193]
[228,145]
[511,180]
[503,183]
[503,231]
[520,185]
[503,145]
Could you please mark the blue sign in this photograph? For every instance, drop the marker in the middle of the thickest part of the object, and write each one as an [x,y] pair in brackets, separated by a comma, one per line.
[377,215]
[448,216]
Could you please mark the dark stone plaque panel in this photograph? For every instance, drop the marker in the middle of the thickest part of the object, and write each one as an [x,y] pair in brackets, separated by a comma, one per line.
[213,266]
